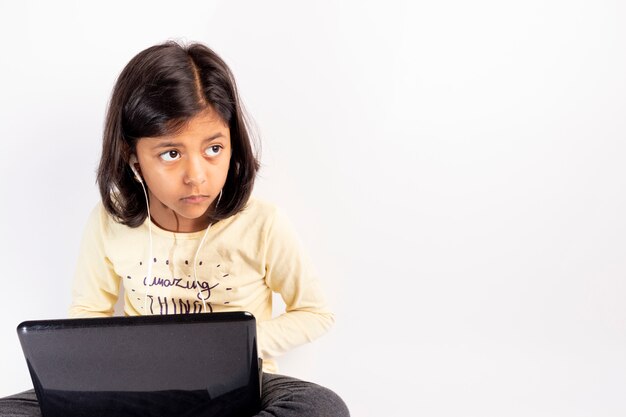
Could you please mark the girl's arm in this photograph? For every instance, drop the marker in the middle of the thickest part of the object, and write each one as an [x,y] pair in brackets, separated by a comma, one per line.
[96,286]
[290,274]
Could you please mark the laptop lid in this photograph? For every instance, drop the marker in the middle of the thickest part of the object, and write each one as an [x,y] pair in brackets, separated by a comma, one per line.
[171,365]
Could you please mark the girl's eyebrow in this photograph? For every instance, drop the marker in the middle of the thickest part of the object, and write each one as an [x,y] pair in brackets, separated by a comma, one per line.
[167,143]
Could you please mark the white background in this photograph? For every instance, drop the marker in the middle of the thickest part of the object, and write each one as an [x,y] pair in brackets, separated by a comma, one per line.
[455,168]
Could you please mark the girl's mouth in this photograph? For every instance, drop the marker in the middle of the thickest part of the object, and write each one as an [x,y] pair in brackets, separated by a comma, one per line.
[195,199]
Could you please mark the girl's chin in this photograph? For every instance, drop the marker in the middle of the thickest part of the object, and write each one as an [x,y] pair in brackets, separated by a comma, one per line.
[182,219]
[192,213]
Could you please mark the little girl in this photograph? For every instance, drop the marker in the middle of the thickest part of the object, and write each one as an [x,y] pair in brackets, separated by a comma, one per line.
[177,226]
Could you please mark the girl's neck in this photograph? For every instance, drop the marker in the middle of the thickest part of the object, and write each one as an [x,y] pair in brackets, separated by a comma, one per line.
[167,219]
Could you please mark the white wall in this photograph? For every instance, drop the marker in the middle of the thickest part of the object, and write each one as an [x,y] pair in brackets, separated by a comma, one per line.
[455,168]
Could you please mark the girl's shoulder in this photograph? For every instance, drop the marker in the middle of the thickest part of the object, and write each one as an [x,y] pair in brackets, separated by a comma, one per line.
[99,215]
[256,213]
[259,216]
[101,221]
[259,207]
[266,217]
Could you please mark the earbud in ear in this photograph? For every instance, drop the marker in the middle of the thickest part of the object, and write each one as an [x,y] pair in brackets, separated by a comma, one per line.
[132,161]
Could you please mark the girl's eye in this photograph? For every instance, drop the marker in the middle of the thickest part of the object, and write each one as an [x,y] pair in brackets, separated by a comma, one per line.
[170,156]
[213,150]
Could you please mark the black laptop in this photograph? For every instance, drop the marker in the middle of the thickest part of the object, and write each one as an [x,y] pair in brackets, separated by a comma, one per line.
[173,365]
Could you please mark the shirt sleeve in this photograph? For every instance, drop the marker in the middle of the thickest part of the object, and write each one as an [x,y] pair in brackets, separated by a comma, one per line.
[289,273]
[96,285]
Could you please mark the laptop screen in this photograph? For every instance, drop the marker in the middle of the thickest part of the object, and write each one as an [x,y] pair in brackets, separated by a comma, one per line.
[191,365]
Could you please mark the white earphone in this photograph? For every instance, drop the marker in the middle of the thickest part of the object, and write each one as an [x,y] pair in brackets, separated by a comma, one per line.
[132,161]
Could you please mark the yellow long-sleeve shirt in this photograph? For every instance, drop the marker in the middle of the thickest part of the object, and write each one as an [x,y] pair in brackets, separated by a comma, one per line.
[242,261]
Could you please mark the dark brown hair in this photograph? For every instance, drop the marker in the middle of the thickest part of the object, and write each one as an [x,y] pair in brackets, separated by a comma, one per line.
[156,94]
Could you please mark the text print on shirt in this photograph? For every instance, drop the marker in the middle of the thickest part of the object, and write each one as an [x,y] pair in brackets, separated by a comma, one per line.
[161,304]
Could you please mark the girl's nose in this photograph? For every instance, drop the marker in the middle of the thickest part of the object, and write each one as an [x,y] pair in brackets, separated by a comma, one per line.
[194,174]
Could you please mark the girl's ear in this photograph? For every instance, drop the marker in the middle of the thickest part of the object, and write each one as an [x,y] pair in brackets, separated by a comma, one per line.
[132,162]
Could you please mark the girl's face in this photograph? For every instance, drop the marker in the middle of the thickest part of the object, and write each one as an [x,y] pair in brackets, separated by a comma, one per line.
[185,172]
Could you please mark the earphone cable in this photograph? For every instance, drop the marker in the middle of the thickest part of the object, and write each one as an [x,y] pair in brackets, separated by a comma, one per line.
[195,272]
[195,258]
[150,256]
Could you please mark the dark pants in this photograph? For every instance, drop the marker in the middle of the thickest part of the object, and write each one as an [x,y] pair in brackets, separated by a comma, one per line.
[282,397]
